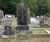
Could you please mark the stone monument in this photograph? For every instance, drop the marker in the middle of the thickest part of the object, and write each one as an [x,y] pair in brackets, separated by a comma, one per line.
[1,14]
[22,16]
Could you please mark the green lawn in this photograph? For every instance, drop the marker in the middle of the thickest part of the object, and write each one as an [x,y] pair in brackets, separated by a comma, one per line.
[40,29]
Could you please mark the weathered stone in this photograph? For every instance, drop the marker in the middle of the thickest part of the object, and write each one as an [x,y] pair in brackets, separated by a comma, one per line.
[22,17]
[1,14]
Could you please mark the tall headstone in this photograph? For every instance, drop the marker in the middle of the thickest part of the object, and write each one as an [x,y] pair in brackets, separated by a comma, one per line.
[22,16]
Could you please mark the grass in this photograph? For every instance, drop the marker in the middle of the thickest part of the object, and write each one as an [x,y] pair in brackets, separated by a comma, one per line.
[40,29]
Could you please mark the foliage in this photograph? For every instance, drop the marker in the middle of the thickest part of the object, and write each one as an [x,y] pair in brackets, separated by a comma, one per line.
[8,6]
[48,5]
[31,5]
[41,7]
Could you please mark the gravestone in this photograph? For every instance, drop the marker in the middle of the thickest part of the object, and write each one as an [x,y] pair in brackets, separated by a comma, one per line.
[22,17]
[8,30]
[1,14]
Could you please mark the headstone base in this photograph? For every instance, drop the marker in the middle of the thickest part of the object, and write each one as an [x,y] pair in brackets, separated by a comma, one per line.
[22,27]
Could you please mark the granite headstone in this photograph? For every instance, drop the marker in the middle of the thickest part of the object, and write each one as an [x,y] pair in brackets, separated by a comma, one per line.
[22,17]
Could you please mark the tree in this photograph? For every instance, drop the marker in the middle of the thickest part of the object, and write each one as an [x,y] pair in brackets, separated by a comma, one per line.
[9,6]
[41,8]
[31,5]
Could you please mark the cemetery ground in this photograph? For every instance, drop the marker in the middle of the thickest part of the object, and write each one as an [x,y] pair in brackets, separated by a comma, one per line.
[31,37]
[40,29]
